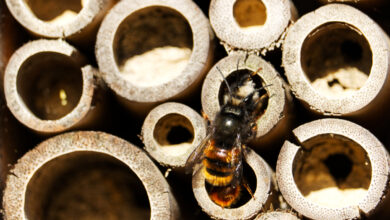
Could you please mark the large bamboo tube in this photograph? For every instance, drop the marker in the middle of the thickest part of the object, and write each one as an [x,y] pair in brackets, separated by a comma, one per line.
[264,193]
[251,24]
[171,132]
[276,119]
[154,50]
[50,88]
[87,175]
[76,20]
[336,170]
[337,62]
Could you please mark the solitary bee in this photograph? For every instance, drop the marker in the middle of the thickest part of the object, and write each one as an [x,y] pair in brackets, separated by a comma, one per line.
[221,153]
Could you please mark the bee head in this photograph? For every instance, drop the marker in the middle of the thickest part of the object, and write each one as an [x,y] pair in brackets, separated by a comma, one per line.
[229,121]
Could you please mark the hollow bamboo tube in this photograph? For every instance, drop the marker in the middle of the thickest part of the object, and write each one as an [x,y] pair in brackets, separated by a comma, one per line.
[171,132]
[251,24]
[11,38]
[154,50]
[76,20]
[276,215]
[49,88]
[90,175]
[336,60]
[336,170]
[276,119]
[264,195]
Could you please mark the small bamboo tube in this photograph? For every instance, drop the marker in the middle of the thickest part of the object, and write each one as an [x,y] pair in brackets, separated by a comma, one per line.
[154,50]
[75,20]
[251,24]
[49,88]
[336,60]
[11,38]
[264,195]
[336,170]
[171,132]
[87,175]
[276,120]
[277,215]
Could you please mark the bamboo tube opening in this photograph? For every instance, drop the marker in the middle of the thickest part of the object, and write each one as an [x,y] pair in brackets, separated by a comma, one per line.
[49,88]
[336,58]
[165,52]
[332,170]
[336,62]
[248,24]
[87,175]
[174,131]
[55,11]
[153,51]
[76,20]
[249,13]
[50,84]
[252,82]
[260,181]
[246,74]
[85,185]
[171,132]
[335,169]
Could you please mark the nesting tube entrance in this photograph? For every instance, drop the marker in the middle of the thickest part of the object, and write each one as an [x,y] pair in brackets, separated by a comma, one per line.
[90,175]
[335,170]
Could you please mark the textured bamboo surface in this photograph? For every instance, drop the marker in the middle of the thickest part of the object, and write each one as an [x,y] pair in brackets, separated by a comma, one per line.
[144,72]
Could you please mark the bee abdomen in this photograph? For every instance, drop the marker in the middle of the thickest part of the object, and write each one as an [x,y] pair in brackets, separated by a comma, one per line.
[216,174]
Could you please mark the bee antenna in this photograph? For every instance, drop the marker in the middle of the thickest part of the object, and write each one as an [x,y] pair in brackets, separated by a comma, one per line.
[227,84]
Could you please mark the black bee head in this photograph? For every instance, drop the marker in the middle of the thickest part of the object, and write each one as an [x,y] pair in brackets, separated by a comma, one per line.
[229,121]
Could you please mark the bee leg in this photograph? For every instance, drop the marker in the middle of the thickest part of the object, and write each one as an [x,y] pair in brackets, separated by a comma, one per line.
[204,115]
[245,184]
[255,73]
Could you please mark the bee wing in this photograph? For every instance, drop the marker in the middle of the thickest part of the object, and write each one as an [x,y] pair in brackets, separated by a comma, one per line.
[237,157]
[197,155]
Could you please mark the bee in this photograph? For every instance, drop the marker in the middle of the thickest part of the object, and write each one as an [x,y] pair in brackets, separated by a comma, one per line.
[220,155]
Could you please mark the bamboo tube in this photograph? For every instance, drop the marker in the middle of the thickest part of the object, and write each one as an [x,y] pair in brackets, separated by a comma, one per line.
[337,62]
[336,170]
[154,50]
[171,132]
[253,25]
[11,37]
[75,20]
[276,119]
[87,175]
[49,88]
[276,215]
[264,193]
